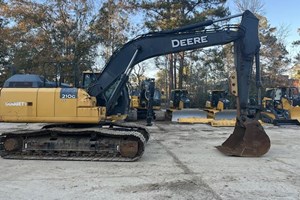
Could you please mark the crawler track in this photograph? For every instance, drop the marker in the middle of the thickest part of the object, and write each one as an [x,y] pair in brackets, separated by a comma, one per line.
[110,142]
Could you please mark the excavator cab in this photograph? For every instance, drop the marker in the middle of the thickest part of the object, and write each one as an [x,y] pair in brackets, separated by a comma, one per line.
[88,77]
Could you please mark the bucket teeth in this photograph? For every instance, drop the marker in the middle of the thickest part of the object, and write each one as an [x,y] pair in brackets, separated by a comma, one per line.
[249,140]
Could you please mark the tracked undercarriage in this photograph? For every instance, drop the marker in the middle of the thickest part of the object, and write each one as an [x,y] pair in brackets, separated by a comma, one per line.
[109,142]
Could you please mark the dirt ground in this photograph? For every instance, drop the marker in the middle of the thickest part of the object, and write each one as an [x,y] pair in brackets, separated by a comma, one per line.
[180,162]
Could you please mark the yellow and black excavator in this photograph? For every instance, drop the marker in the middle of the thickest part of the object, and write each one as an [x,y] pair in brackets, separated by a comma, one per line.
[140,98]
[83,132]
[281,106]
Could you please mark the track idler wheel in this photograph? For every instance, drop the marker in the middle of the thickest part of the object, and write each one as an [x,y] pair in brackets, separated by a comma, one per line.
[129,149]
[12,144]
[249,140]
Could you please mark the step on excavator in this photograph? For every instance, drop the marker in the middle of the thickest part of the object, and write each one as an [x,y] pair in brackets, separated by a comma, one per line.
[281,106]
[83,132]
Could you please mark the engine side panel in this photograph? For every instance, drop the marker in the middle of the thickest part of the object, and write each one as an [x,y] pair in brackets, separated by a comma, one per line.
[58,105]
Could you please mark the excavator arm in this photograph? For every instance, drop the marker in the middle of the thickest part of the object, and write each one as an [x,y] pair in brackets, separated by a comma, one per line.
[156,44]
[249,138]
[245,37]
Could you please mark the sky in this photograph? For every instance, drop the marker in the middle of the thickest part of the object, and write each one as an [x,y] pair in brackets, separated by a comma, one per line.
[281,13]
[285,13]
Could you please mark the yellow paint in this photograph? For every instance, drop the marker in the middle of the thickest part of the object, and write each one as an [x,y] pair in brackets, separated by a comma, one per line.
[223,123]
[45,105]
[233,84]
[194,120]
[134,102]
[294,111]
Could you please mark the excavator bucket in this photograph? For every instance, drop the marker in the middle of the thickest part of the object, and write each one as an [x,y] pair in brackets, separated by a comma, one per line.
[249,140]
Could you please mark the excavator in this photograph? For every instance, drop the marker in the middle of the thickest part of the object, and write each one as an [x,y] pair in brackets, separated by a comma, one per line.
[281,106]
[140,99]
[78,128]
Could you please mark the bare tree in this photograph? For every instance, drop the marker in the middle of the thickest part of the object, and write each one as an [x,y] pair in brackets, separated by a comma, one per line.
[170,14]
[112,24]
[273,53]
[138,73]
[255,6]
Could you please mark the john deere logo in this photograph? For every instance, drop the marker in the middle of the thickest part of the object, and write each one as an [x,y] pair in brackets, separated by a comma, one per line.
[189,41]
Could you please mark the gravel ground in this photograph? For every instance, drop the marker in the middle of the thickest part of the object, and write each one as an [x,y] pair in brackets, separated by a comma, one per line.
[180,162]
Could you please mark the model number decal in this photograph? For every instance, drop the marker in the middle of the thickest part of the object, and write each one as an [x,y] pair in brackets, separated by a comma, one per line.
[68,96]
[68,93]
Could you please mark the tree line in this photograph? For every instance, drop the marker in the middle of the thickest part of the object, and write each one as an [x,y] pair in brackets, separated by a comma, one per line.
[35,33]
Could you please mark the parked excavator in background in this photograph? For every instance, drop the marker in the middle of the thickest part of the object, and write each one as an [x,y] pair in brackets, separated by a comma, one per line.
[281,106]
[140,101]
[87,135]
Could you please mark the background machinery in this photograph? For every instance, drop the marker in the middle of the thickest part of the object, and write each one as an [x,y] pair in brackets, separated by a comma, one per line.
[179,99]
[218,108]
[179,105]
[217,99]
[281,106]
[180,111]
[87,136]
[140,101]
